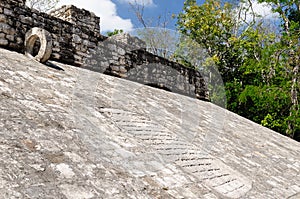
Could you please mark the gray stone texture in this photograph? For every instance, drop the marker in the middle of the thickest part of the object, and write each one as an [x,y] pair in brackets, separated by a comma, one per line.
[74,133]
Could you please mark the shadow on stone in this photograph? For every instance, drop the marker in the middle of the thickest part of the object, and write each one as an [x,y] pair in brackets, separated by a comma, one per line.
[160,86]
[51,65]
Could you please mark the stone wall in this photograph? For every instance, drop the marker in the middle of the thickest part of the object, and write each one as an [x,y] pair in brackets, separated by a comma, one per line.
[71,41]
[116,57]
[80,17]
[77,41]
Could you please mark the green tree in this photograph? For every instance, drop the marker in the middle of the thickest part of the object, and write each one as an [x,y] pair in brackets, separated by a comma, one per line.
[260,68]
[289,12]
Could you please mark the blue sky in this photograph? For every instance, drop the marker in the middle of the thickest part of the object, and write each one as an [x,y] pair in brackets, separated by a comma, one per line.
[117,14]
[163,8]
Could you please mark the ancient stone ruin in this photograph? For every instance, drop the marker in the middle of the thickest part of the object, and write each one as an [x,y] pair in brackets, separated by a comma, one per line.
[75,133]
[76,40]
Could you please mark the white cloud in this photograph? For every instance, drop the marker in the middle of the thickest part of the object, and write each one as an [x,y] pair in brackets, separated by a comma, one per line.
[262,9]
[139,2]
[106,10]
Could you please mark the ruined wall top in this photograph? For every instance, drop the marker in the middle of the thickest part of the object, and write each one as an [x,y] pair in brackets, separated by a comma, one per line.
[135,42]
[80,17]
[20,2]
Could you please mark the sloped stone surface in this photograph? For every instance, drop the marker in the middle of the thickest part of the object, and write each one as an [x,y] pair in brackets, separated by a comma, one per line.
[74,133]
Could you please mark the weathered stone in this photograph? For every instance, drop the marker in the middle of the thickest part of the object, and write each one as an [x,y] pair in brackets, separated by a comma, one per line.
[56,50]
[74,133]
[115,68]
[76,39]
[121,51]
[79,17]
[19,40]
[78,58]
[10,37]
[134,42]
[45,39]
[3,42]
[84,36]
[123,69]
[4,27]
[56,55]
[27,20]
[8,12]
[3,18]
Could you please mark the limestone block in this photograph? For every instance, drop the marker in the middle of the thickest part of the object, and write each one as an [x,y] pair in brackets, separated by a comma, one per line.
[55,49]
[82,54]
[8,12]
[76,39]
[77,58]
[78,63]
[55,44]
[123,69]
[13,45]
[3,18]
[5,28]
[27,20]
[3,42]
[115,68]
[19,40]
[93,62]
[56,56]
[10,37]
[85,42]
[121,51]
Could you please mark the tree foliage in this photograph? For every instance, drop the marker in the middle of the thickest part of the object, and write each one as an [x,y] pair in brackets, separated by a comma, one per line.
[115,32]
[260,68]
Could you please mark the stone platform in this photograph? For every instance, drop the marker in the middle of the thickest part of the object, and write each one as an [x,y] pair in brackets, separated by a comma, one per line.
[67,132]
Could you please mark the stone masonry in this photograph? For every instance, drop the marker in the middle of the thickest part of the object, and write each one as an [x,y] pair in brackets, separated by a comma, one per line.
[77,41]
[71,42]
[134,63]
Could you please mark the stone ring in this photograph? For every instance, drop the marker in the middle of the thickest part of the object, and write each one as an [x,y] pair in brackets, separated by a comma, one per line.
[45,38]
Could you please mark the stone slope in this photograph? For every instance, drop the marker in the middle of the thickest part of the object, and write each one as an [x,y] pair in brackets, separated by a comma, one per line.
[73,133]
